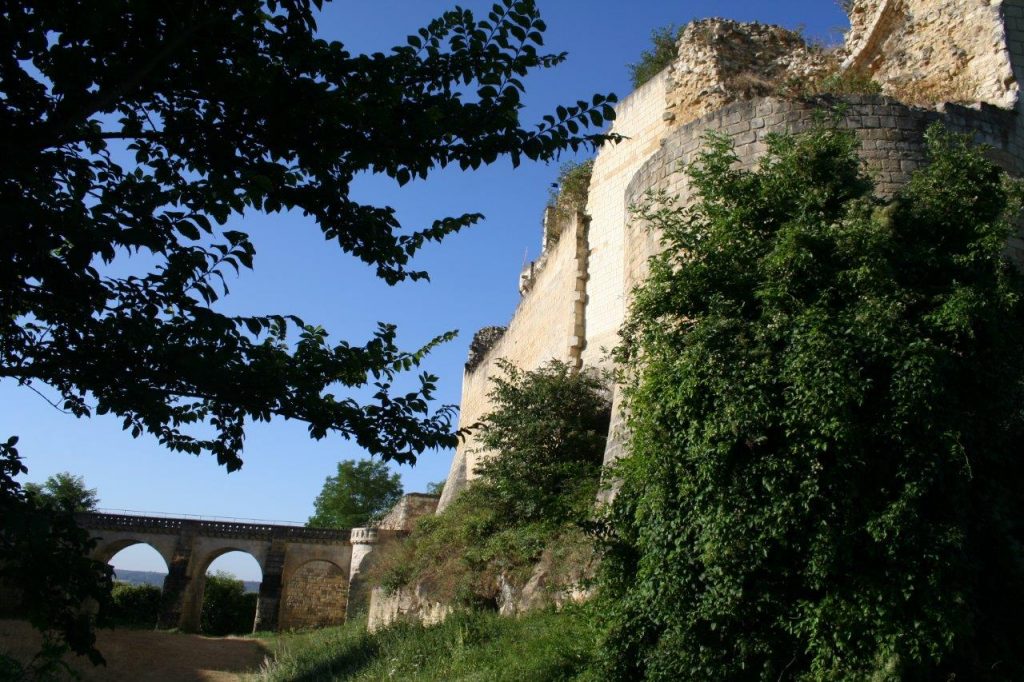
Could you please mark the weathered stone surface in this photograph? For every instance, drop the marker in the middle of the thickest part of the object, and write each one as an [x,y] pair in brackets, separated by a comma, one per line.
[721,61]
[404,514]
[317,596]
[927,52]
[404,604]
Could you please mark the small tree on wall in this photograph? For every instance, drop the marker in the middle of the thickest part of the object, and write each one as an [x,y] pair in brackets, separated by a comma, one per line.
[547,432]
[569,194]
[824,479]
[661,53]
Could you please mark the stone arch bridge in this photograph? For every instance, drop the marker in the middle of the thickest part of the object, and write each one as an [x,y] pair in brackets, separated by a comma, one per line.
[308,573]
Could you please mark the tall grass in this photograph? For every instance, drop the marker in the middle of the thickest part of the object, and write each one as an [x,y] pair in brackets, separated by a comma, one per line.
[470,646]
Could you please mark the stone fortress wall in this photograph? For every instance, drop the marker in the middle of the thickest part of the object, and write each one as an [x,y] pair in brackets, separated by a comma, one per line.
[958,62]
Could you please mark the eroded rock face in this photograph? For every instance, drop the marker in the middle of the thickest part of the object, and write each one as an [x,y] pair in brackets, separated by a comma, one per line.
[405,604]
[927,52]
[721,61]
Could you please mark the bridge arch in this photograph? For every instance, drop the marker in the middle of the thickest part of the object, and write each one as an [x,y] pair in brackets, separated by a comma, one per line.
[206,550]
[112,544]
[315,594]
[135,605]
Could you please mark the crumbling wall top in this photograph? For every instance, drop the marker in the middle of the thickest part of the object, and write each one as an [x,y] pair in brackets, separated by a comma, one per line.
[720,61]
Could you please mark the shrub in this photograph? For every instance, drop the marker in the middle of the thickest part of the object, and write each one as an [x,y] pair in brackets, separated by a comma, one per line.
[227,608]
[547,433]
[135,605]
[458,555]
[573,186]
[824,474]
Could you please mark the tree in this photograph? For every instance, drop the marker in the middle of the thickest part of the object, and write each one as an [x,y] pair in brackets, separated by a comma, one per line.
[134,128]
[360,492]
[134,131]
[44,557]
[825,409]
[64,491]
[547,434]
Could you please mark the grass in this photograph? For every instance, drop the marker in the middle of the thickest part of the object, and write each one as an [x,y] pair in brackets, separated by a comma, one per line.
[468,646]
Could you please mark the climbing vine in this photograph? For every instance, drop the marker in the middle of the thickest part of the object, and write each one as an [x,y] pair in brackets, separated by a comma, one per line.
[826,414]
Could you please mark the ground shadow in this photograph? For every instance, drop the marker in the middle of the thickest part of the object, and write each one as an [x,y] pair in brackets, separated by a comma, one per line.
[149,656]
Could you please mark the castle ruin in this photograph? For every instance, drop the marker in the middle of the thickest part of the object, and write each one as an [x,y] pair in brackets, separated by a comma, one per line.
[958,62]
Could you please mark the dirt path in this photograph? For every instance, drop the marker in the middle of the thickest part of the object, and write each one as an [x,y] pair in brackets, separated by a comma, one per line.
[150,656]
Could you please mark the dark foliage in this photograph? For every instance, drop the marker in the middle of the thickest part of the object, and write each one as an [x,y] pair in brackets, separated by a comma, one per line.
[134,130]
[826,411]
[135,605]
[44,557]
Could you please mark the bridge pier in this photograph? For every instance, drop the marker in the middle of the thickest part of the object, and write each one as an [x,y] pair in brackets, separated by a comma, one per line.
[176,585]
[268,604]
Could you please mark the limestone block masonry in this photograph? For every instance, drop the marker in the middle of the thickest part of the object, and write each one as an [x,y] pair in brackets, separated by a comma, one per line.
[549,324]
[957,62]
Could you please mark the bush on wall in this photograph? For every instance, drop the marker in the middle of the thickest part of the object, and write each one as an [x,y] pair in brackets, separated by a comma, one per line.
[824,479]
[546,436]
[661,53]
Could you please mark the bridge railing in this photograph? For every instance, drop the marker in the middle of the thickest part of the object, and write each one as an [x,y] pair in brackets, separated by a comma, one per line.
[205,526]
[196,517]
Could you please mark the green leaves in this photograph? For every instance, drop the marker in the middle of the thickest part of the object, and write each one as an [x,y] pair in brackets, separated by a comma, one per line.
[360,492]
[661,53]
[45,555]
[825,420]
[545,436]
[226,110]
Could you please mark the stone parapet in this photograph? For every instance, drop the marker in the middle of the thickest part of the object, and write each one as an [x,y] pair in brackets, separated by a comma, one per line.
[363,536]
[174,526]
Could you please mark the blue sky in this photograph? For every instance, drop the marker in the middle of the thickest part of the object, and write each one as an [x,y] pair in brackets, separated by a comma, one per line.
[474,276]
